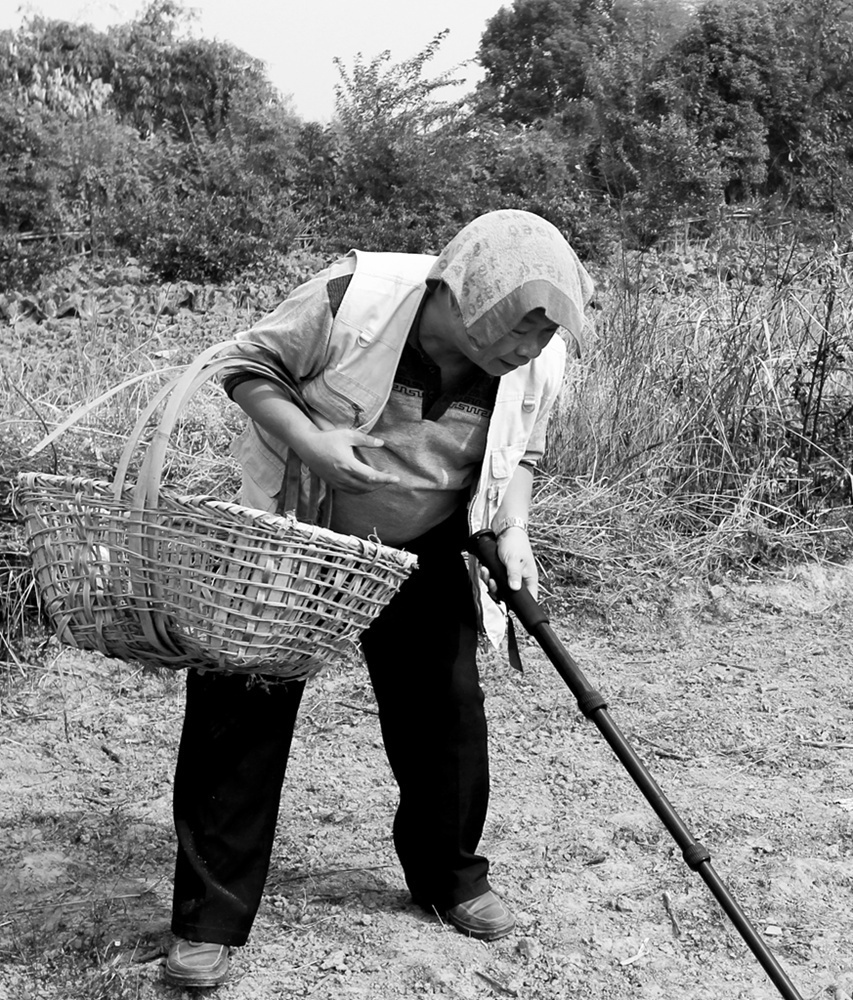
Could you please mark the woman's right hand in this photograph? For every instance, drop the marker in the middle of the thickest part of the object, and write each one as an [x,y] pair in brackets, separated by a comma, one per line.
[333,456]
[329,451]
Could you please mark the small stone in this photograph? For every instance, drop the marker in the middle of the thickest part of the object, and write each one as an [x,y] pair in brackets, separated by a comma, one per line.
[337,961]
[528,948]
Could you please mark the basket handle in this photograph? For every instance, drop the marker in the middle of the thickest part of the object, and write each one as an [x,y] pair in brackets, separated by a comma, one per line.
[179,391]
[146,493]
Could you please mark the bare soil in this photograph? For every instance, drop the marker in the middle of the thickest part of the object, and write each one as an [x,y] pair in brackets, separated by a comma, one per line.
[739,701]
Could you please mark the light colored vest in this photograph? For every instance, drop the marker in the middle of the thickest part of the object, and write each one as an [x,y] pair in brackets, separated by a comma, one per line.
[367,338]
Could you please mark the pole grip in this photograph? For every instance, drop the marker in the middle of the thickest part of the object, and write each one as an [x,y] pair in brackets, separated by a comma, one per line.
[484,546]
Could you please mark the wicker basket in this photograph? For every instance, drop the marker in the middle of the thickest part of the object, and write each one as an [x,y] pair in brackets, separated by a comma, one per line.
[194,581]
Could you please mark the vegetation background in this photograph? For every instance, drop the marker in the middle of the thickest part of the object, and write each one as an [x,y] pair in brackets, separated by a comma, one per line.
[158,195]
[699,157]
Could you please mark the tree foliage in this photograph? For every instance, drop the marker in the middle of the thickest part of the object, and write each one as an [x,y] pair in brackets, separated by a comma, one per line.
[684,108]
[143,140]
[612,118]
[387,114]
[537,55]
[162,79]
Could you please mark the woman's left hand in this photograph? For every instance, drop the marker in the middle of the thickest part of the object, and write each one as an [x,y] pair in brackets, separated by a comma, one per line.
[515,552]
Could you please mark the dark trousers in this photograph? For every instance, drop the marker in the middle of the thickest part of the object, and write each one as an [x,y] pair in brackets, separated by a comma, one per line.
[421,655]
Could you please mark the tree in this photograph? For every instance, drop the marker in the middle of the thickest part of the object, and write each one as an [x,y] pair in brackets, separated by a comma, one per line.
[622,108]
[163,79]
[537,55]
[316,166]
[722,69]
[809,106]
[386,115]
[172,148]
[57,66]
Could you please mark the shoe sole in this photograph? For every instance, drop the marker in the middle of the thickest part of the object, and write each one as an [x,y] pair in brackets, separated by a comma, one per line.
[484,935]
[194,982]
[480,935]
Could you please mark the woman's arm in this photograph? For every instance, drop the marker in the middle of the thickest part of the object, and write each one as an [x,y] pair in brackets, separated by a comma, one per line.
[330,452]
[514,547]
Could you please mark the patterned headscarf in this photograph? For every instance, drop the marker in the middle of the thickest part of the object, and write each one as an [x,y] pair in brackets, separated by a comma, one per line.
[504,265]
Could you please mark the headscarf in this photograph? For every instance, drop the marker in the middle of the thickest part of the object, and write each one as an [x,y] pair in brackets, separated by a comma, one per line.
[504,265]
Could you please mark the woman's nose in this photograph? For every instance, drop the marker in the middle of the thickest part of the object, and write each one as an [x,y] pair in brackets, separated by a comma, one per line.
[529,348]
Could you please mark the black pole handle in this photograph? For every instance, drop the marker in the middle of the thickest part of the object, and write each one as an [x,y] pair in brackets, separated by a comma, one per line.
[484,546]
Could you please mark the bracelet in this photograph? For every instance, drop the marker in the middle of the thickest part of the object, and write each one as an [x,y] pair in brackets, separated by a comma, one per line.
[510,522]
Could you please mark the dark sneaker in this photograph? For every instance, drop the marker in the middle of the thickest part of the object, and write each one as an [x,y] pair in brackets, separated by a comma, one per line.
[486,917]
[197,963]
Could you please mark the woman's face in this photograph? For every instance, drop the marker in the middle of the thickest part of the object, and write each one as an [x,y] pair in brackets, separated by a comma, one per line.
[524,342]
[517,347]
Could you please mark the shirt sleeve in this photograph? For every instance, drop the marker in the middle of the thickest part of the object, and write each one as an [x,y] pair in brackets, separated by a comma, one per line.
[292,341]
[556,364]
[239,373]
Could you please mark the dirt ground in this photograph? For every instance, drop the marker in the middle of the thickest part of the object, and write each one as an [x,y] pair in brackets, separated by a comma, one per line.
[738,700]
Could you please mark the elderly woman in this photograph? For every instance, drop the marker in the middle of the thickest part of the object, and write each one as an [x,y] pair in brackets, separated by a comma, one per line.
[417,390]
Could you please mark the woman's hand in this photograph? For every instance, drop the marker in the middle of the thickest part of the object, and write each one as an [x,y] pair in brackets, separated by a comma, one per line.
[333,456]
[330,452]
[515,552]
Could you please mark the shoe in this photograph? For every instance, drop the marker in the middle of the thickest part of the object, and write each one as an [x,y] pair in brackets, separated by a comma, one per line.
[197,963]
[486,917]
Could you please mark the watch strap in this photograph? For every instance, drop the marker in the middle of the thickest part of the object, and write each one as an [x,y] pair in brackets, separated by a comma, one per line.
[510,522]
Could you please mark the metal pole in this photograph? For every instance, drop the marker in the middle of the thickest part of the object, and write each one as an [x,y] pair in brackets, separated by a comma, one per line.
[594,706]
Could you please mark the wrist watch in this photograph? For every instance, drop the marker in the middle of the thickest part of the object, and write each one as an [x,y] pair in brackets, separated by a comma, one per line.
[510,522]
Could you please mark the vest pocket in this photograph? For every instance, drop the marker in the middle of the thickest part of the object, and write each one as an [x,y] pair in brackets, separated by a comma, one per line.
[261,465]
[504,461]
[342,399]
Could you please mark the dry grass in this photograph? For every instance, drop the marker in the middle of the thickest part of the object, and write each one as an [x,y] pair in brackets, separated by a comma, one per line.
[602,541]
[52,367]
[701,385]
[709,429]
[711,426]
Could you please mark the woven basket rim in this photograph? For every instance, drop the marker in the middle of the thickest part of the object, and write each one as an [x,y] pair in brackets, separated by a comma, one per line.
[138,606]
[276,523]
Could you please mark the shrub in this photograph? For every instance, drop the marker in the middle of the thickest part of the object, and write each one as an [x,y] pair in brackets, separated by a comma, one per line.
[211,238]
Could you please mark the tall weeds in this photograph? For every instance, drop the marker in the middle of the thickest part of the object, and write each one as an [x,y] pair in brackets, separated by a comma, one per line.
[710,425]
[52,367]
[720,387]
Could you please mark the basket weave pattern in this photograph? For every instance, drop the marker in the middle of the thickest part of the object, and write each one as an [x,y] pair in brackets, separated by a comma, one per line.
[143,574]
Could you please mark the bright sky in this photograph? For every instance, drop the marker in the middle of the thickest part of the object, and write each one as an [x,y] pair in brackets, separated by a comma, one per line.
[298,39]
